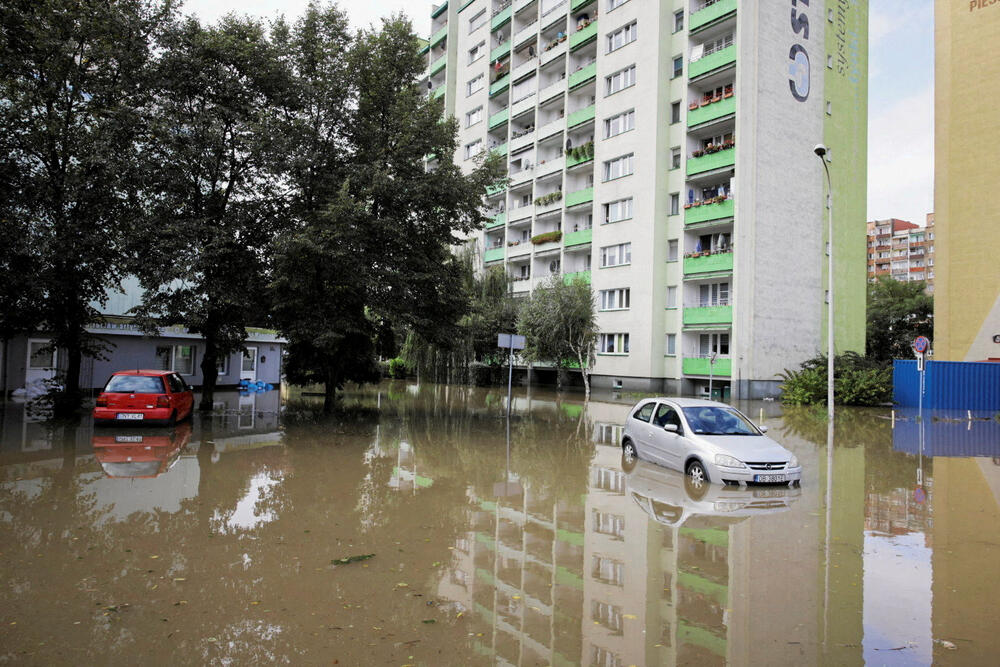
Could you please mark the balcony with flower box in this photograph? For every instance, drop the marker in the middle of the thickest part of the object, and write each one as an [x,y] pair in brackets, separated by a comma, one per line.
[579,154]
[552,50]
[711,158]
[548,202]
[697,263]
[718,208]
[518,249]
[711,109]
[585,34]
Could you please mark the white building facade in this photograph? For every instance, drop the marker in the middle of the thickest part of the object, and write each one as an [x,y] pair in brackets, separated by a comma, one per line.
[662,151]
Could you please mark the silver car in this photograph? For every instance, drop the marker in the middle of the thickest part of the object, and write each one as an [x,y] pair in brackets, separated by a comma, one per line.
[708,441]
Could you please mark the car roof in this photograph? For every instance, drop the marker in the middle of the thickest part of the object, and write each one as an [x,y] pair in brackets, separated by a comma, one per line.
[687,402]
[145,372]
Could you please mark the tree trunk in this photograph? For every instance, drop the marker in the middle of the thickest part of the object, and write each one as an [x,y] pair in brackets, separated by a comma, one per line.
[329,393]
[209,374]
[68,401]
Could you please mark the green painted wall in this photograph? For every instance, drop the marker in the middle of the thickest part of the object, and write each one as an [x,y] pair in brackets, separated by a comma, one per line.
[845,132]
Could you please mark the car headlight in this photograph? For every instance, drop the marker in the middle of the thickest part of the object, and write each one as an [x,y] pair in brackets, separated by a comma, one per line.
[728,461]
[793,462]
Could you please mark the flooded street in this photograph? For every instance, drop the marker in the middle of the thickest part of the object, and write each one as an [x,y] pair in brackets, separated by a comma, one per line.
[414,535]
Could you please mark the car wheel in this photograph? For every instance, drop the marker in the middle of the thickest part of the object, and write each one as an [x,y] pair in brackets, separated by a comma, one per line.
[172,419]
[696,473]
[629,456]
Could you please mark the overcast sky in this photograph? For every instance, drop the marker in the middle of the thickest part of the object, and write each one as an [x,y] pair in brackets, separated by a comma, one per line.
[900,90]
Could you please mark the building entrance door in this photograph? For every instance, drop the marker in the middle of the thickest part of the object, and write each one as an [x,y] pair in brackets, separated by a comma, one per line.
[248,371]
[41,361]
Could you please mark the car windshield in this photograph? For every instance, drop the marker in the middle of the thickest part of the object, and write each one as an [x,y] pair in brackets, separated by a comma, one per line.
[134,384]
[709,420]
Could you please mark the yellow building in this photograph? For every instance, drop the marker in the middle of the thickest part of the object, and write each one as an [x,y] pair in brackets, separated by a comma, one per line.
[967,124]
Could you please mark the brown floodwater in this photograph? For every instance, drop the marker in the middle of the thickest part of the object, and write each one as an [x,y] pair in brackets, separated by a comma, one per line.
[417,531]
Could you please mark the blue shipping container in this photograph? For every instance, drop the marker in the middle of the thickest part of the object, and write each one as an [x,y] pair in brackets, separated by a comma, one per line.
[948,385]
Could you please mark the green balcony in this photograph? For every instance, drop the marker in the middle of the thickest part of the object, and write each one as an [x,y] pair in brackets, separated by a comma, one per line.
[704,17]
[578,275]
[499,118]
[584,156]
[501,19]
[584,196]
[582,76]
[713,111]
[577,4]
[717,60]
[494,189]
[700,366]
[707,212]
[500,85]
[438,37]
[717,263]
[500,51]
[709,315]
[498,220]
[711,161]
[437,12]
[493,255]
[581,37]
[580,116]
[439,64]
[577,238]
[439,91]
[500,150]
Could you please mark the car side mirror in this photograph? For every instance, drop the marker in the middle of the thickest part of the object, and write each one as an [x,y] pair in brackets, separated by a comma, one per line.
[763,429]
[670,427]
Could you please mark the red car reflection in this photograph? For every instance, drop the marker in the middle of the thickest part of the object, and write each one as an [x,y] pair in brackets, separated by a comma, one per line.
[140,454]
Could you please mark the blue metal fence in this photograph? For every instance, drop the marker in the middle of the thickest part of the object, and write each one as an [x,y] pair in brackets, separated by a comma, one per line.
[948,385]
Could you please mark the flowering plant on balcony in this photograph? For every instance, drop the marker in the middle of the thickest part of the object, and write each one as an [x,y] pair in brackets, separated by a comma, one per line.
[549,198]
[693,106]
[697,152]
[546,237]
[513,243]
[583,152]
[728,93]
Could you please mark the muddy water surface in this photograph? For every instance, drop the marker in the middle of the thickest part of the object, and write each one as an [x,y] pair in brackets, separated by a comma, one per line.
[416,536]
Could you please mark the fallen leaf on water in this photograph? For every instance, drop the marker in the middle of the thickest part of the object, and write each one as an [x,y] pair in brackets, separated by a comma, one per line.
[180,579]
[154,556]
[630,616]
[428,620]
[351,559]
[402,585]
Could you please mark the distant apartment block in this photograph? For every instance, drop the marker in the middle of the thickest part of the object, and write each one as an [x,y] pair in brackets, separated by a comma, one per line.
[901,250]
[663,153]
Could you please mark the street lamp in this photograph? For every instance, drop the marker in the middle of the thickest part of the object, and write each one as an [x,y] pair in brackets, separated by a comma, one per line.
[821,151]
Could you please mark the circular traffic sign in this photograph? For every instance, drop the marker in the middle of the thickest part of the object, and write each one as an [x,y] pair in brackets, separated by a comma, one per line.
[921,343]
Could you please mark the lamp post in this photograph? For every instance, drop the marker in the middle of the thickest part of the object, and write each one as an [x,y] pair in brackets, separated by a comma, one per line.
[821,151]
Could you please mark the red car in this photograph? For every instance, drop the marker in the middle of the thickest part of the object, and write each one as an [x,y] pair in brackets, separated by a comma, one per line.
[144,397]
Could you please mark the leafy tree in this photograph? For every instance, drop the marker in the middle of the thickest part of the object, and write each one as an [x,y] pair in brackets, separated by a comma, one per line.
[74,80]
[214,195]
[560,324]
[378,247]
[857,380]
[898,312]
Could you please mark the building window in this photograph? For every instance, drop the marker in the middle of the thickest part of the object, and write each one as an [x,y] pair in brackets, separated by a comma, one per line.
[619,167]
[224,365]
[609,571]
[477,20]
[678,66]
[477,52]
[614,4]
[617,211]
[675,203]
[678,21]
[675,157]
[672,250]
[615,299]
[716,294]
[609,524]
[475,85]
[671,343]
[622,122]
[178,358]
[614,343]
[672,296]
[616,255]
[622,36]
[474,148]
[675,112]
[620,80]
[474,116]
[715,343]
[714,45]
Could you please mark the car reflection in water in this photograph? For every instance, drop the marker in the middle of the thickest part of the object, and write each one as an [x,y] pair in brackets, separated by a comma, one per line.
[671,498]
[134,453]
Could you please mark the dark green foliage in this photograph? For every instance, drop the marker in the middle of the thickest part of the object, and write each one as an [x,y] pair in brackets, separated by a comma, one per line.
[898,312]
[398,369]
[73,84]
[857,380]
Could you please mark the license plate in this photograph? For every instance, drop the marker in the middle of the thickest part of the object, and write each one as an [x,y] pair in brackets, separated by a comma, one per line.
[769,478]
[128,438]
[130,415]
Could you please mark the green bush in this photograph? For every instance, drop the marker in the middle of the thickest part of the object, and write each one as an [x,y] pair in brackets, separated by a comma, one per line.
[397,369]
[857,380]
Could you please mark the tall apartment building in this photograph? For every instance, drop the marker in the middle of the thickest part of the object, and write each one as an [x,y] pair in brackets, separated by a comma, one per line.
[663,152]
[901,250]
[966,131]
